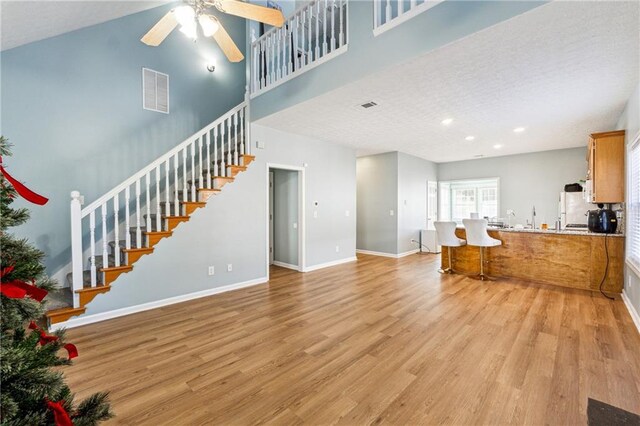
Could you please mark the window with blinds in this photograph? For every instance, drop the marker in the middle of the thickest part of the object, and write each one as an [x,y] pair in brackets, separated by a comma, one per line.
[155,91]
[633,205]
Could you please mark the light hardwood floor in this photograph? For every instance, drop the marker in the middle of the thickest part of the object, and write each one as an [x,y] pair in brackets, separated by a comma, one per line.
[386,341]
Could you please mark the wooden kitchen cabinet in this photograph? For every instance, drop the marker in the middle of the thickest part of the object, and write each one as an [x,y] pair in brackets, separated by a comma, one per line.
[605,157]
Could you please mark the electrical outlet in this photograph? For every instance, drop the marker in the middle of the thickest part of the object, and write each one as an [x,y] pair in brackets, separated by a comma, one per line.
[337,249]
[211,270]
[229,267]
[315,214]
[346,213]
[295,225]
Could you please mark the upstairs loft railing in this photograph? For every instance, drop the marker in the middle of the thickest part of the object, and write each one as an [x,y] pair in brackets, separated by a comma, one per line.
[137,205]
[390,13]
[314,34]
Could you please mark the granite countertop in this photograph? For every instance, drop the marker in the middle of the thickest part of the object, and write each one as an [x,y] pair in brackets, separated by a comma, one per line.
[553,231]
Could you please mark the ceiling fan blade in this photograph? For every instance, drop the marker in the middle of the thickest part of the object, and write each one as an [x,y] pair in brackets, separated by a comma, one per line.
[160,30]
[227,45]
[251,11]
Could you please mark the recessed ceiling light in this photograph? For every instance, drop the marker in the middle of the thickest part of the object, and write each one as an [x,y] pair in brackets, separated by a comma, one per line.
[498,146]
[447,121]
[469,138]
[519,129]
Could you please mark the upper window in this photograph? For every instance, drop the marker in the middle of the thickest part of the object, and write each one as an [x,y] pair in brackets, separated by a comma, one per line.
[458,199]
[633,205]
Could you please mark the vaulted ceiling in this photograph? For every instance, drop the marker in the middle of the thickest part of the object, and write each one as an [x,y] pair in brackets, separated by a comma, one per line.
[560,71]
[24,22]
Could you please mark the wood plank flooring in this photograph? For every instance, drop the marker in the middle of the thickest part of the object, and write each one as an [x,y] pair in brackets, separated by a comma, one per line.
[383,341]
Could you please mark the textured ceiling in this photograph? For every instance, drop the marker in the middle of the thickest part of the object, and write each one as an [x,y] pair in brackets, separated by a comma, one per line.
[562,71]
[27,21]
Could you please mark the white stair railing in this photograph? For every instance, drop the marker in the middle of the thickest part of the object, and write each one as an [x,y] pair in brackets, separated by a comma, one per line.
[389,13]
[195,160]
[313,34]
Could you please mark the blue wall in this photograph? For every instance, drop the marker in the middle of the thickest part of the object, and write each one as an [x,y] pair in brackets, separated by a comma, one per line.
[72,107]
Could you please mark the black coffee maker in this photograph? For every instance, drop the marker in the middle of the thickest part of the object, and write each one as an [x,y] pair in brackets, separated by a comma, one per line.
[602,221]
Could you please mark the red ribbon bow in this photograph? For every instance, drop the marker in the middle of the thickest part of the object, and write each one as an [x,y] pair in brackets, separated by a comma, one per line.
[17,289]
[25,192]
[45,338]
[60,415]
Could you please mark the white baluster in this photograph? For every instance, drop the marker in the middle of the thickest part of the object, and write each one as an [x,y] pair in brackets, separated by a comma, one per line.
[201,170]
[235,139]
[414,3]
[175,183]
[116,226]
[267,50]
[400,7]
[209,159]
[242,124]
[148,201]
[341,31]
[158,209]
[310,41]
[138,230]
[290,47]
[193,172]
[263,67]
[167,193]
[276,47]
[105,240]
[223,169]
[388,12]
[92,235]
[303,33]
[127,197]
[324,31]
[77,274]
[184,175]
[215,151]
[227,123]
[317,55]
[333,25]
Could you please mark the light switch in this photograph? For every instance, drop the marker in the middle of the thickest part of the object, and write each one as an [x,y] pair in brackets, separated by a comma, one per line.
[295,225]
[391,213]
[346,213]
[315,214]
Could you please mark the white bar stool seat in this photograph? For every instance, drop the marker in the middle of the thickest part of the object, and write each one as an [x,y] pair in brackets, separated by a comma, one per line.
[446,232]
[478,236]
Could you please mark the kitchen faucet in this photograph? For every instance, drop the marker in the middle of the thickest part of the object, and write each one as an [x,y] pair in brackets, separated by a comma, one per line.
[533,218]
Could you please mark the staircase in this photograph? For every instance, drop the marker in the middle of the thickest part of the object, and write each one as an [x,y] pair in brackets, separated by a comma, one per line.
[111,234]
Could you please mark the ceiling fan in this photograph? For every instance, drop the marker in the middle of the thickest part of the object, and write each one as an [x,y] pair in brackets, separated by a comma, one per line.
[194,12]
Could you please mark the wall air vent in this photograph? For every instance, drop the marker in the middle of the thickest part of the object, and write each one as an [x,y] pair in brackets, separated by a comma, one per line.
[478,156]
[155,91]
[369,104]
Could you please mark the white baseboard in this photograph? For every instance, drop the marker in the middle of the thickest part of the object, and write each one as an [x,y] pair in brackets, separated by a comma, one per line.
[383,254]
[632,311]
[286,265]
[90,319]
[329,264]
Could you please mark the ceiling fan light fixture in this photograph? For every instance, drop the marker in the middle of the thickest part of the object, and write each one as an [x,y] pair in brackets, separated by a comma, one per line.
[184,15]
[190,30]
[208,24]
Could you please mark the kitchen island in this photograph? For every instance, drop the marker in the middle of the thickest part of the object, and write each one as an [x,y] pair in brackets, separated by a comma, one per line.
[572,259]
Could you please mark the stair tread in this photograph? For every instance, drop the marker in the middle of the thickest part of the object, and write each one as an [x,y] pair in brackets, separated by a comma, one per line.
[64,310]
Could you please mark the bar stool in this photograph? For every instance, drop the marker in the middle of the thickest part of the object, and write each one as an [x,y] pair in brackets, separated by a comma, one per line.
[478,236]
[446,232]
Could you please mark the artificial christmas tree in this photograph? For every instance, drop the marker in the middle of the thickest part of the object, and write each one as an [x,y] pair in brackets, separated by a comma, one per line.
[32,392]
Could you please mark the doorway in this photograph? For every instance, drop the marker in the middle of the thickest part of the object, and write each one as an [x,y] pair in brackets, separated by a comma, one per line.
[285,194]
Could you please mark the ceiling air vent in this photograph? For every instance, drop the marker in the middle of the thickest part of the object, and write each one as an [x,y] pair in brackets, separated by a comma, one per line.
[369,104]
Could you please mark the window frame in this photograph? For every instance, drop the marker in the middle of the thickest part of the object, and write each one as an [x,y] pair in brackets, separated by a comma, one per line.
[451,185]
[632,263]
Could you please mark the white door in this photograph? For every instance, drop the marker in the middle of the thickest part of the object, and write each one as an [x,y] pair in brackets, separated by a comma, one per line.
[270,218]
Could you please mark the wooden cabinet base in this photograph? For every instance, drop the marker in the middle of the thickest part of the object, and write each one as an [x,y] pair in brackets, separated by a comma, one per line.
[575,261]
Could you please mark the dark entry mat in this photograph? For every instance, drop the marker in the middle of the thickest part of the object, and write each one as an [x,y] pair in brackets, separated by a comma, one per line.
[601,414]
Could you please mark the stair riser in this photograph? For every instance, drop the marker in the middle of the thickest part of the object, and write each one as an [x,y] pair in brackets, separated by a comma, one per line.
[190,208]
[111,276]
[154,239]
[87,296]
[172,222]
[63,316]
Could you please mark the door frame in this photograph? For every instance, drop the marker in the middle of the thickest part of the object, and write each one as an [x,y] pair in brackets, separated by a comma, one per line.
[301,214]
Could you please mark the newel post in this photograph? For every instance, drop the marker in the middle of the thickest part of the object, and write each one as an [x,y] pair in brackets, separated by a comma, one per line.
[76,245]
